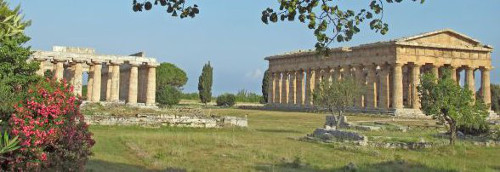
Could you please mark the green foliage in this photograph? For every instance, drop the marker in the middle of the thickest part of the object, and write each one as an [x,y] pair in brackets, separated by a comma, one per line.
[190,96]
[48,74]
[337,96]
[495,97]
[328,20]
[226,100]
[168,96]
[15,72]
[265,86]
[169,74]
[205,84]
[445,100]
[246,96]
[8,144]
[172,7]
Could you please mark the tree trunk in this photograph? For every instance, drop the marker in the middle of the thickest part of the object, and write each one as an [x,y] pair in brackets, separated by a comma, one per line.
[453,133]
[338,119]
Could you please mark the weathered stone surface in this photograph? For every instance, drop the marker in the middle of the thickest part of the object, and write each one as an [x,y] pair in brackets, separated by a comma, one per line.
[328,134]
[167,120]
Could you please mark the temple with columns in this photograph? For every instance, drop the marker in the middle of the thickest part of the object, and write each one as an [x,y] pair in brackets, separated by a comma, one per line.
[110,78]
[390,70]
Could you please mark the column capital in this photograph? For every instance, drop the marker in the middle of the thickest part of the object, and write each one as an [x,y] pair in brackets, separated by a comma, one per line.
[115,62]
[397,64]
[417,65]
[39,59]
[94,61]
[78,61]
[153,65]
[135,64]
[489,68]
[58,60]
[470,67]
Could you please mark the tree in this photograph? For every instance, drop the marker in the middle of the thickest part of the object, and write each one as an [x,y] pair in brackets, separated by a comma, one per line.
[337,96]
[205,84]
[15,71]
[265,85]
[168,95]
[326,17]
[169,74]
[447,101]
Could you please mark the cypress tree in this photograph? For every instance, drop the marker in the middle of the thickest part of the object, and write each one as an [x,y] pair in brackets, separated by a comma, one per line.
[265,86]
[205,84]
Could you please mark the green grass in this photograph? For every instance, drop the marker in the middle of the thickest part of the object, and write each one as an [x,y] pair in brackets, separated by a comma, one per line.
[271,143]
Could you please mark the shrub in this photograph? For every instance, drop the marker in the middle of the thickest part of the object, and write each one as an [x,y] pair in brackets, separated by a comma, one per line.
[168,96]
[190,96]
[227,100]
[51,130]
[247,96]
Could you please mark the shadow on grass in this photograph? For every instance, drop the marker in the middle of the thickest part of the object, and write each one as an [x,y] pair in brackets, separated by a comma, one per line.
[383,166]
[278,131]
[99,165]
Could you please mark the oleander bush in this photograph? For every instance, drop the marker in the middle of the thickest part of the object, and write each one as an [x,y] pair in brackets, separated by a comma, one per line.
[51,130]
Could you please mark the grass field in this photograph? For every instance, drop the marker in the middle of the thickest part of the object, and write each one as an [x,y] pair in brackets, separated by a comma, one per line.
[270,143]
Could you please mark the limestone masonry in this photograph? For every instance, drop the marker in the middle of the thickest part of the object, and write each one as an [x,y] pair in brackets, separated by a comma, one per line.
[111,78]
[391,70]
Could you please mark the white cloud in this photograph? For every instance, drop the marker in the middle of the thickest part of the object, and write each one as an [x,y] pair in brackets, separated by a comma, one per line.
[255,74]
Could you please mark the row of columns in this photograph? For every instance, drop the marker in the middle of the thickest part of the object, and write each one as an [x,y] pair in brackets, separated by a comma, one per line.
[385,84]
[95,79]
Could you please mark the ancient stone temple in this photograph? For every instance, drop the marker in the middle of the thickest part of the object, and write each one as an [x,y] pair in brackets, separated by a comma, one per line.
[111,78]
[391,71]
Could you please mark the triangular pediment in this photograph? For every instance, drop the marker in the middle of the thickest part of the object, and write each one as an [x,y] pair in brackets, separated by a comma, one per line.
[445,37]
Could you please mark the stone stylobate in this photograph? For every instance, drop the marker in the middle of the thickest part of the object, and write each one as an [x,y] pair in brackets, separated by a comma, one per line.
[390,70]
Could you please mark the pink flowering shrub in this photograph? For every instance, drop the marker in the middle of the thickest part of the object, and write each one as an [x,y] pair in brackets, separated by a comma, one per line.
[51,130]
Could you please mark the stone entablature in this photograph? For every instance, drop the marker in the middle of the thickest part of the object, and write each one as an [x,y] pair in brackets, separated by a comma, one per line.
[111,78]
[391,69]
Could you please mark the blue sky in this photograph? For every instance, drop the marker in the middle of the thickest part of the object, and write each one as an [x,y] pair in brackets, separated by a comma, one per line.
[229,33]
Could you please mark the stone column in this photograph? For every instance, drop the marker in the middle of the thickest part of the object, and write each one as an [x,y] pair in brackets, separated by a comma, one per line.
[435,70]
[284,88]
[299,88]
[96,88]
[415,76]
[397,85]
[41,70]
[78,78]
[384,87]
[133,84]
[292,88]
[277,89]
[109,82]
[371,95]
[360,79]
[90,82]
[338,73]
[469,80]
[485,86]
[270,89]
[59,69]
[453,73]
[151,87]
[318,77]
[115,82]
[309,87]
